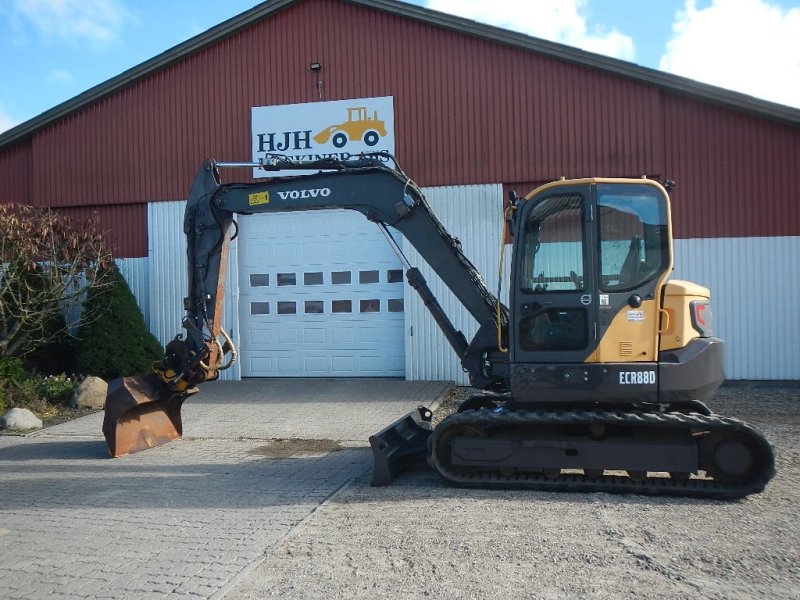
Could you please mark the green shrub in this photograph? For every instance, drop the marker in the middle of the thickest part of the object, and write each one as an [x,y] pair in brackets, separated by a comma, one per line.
[115,341]
[19,387]
[12,370]
[55,389]
[57,354]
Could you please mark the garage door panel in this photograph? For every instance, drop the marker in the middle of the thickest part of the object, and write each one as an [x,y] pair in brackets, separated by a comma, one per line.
[305,364]
[343,364]
[287,336]
[373,364]
[315,297]
[315,252]
[341,336]
[261,364]
[379,334]
[288,363]
[315,366]
[284,254]
[316,335]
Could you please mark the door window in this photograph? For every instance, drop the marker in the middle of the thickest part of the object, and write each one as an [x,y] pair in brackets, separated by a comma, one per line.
[552,270]
[633,236]
[552,246]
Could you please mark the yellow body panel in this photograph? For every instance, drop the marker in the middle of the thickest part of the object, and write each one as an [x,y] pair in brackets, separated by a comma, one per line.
[631,337]
[677,296]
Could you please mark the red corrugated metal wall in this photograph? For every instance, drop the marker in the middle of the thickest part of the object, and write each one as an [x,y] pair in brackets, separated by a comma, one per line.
[736,173]
[467,111]
[123,225]
[15,174]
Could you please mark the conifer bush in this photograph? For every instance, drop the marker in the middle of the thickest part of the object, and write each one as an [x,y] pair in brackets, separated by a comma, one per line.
[115,342]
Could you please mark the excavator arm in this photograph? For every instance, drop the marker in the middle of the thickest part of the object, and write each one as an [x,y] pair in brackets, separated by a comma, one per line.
[384,195]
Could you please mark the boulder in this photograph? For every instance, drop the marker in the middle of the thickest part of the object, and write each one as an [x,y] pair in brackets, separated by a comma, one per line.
[20,419]
[91,393]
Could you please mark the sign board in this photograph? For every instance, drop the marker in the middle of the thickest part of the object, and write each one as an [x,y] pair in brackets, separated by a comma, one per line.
[314,130]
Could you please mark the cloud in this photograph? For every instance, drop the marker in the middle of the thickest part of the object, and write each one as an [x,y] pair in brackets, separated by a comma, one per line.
[97,21]
[751,46]
[561,21]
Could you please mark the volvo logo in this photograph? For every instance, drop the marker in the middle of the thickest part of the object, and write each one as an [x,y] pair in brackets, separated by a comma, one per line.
[586,299]
[304,194]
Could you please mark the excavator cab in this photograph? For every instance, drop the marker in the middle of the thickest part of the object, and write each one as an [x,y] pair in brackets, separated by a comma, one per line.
[590,268]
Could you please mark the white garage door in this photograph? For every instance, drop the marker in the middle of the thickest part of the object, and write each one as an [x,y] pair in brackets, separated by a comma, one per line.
[321,295]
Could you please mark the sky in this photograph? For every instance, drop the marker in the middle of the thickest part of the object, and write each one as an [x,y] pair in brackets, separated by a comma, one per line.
[52,50]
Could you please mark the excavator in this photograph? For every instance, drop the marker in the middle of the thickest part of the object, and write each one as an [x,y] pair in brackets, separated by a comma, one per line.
[591,379]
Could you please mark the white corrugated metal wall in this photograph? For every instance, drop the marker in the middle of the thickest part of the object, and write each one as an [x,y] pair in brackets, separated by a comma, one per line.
[755,291]
[136,272]
[473,214]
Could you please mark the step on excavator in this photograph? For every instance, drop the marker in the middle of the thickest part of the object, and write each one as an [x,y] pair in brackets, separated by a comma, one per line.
[591,379]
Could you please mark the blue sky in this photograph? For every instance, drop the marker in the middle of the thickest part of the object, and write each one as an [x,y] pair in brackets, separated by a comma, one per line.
[56,49]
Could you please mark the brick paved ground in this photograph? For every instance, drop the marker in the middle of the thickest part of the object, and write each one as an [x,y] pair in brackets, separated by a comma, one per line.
[185,518]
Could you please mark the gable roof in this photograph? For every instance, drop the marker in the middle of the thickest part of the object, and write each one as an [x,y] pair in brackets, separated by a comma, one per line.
[666,81]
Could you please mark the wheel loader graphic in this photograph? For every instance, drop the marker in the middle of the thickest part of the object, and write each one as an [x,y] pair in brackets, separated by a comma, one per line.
[358,127]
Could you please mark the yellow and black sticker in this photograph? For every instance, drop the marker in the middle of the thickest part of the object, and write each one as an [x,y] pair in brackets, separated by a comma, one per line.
[258,198]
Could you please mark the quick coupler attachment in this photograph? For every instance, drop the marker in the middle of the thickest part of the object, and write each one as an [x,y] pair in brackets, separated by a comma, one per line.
[402,444]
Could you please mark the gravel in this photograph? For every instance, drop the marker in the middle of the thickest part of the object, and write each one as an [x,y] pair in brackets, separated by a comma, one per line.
[420,538]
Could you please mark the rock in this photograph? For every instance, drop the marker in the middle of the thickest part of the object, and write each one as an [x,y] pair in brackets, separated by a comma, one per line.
[20,419]
[91,393]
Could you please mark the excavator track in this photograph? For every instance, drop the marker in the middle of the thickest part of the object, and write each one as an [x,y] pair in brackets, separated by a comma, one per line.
[542,450]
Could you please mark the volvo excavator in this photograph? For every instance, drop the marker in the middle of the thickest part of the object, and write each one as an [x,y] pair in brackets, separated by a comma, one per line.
[591,378]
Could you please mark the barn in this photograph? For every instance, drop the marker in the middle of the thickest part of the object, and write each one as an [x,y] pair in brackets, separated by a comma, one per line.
[471,112]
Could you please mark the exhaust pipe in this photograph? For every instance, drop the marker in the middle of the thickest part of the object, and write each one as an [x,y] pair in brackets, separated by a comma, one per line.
[401,445]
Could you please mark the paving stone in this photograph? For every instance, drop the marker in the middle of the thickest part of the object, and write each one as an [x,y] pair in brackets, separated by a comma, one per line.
[182,519]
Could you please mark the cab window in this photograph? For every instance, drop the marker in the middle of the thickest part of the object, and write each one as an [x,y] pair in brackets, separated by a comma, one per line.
[633,235]
[552,246]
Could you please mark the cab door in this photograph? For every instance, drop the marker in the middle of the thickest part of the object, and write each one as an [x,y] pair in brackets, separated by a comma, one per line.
[634,259]
[552,299]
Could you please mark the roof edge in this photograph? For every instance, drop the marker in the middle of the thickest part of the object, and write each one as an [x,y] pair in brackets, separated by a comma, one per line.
[665,81]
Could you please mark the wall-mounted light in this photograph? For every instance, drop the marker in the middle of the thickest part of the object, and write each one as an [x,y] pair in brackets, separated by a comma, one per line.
[316,67]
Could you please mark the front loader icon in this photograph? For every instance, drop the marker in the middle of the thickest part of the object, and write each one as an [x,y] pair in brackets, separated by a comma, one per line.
[358,127]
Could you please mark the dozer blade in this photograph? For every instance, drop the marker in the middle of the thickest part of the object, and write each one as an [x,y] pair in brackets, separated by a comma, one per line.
[141,412]
[402,444]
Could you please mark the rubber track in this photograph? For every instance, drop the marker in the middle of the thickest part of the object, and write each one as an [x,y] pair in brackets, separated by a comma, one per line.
[568,482]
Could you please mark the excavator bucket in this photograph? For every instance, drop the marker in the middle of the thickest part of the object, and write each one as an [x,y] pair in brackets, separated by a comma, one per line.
[401,445]
[141,413]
